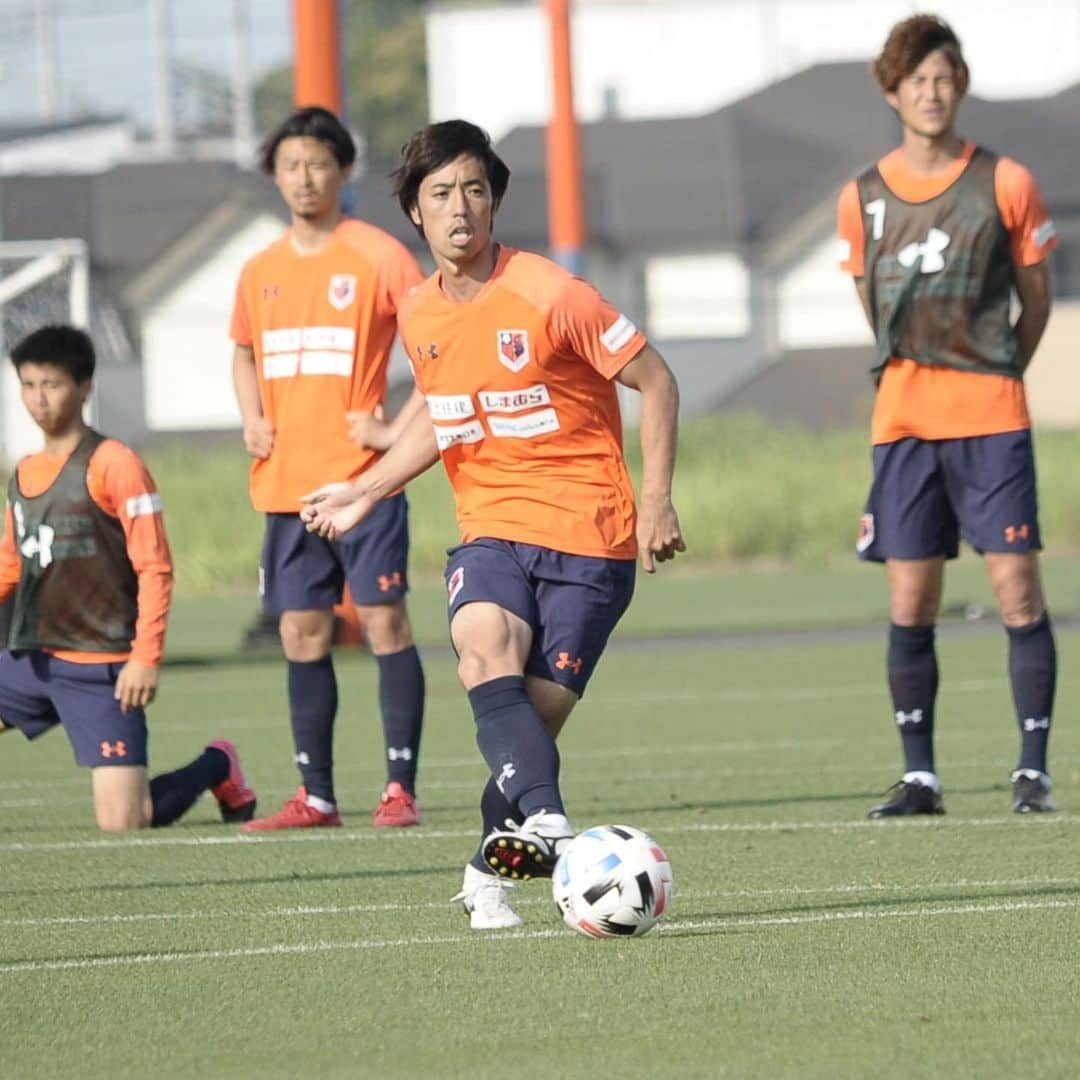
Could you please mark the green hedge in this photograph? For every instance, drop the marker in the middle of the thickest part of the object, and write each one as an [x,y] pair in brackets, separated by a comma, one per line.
[744,489]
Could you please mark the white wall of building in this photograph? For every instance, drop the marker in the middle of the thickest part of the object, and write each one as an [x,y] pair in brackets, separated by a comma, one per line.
[816,303]
[84,150]
[697,296]
[187,353]
[489,62]
[1053,380]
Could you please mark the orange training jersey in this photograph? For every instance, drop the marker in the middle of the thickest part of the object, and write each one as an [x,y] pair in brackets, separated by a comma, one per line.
[519,386]
[321,327]
[122,486]
[934,402]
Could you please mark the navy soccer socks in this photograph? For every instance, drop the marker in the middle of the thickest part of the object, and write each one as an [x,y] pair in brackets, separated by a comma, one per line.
[1033,674]
[913,683]
[313,702]
[401,702]
[518,748]
[173,794]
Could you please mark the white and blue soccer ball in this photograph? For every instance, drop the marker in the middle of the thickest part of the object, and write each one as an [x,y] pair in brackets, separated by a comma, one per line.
[612,881]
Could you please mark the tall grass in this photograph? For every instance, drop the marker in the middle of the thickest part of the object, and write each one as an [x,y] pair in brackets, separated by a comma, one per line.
[744,489]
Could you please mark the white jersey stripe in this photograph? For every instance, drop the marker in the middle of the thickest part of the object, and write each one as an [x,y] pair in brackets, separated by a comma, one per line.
[326,363]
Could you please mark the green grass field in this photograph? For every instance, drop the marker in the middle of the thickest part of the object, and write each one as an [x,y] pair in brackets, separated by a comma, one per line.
[805,941]
[744,489]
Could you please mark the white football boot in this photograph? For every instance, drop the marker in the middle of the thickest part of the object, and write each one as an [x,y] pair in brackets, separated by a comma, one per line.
[485,901]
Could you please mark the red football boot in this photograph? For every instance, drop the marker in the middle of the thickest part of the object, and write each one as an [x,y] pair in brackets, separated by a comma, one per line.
[295,814]
[235,799]
[396,810]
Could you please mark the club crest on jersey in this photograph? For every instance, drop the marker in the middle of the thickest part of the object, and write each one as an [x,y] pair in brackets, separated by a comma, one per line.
[514,348]
[342,290]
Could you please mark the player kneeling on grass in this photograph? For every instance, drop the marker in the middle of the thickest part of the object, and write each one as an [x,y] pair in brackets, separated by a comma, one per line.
[517,360]
[85,553]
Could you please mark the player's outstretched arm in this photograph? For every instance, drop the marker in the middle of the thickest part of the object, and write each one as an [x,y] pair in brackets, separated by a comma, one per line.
[658,531]
[335,508]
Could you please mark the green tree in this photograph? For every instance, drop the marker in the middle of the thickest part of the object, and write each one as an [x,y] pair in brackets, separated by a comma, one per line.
[385,75]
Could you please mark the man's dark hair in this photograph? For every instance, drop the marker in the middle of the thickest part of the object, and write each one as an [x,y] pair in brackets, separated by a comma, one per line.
[65,347]
[437,145]
[910,42]
[314,122]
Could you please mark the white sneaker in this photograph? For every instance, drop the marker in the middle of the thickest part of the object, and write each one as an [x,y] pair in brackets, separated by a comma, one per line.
[485,901]
[530,849]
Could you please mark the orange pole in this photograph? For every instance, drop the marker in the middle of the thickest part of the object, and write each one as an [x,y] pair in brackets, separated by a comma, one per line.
[317,55]
[566,215]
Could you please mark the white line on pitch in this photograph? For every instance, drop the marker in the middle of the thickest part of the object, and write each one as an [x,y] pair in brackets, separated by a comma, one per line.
[854,888]
[1041,821]
[473,783]
[846,916]
[691,926]
[683,775]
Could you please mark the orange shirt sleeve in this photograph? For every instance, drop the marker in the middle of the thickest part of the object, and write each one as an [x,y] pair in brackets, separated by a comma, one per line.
[240,324]
[398,274]
[121,485]
[10,565]
[849,227]
[1031,229]
[583,323]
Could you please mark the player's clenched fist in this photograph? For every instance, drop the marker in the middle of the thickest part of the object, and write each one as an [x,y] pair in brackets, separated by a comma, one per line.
[259,437]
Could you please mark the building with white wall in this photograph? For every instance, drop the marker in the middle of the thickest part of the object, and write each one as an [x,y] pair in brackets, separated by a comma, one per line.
[637,59]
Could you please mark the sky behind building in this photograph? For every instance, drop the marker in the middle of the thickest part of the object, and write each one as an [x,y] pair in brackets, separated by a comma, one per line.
[104,51]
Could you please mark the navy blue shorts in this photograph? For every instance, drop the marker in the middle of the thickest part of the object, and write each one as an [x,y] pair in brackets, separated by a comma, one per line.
[572,602]
[303,572]
[927,495]
[39,691]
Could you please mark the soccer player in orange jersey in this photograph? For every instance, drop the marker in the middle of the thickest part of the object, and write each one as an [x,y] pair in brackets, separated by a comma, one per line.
[518,360]
[313,325]
[85,555]
[940,234]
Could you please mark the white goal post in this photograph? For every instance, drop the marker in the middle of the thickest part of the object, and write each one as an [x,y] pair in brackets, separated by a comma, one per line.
[41,281]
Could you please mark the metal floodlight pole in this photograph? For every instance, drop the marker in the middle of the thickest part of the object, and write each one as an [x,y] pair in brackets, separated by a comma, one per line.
[566,215]
[317,76]
[243,110]
[48,70]
[164,128]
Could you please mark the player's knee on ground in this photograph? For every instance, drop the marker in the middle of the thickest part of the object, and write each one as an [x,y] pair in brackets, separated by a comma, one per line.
[386,627]
[122,798]
[306,635]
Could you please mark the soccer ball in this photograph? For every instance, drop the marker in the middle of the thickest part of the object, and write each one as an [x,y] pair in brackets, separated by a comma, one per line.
[612,881]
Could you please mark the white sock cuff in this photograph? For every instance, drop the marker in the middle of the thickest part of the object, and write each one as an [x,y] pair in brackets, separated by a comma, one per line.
[923,778]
